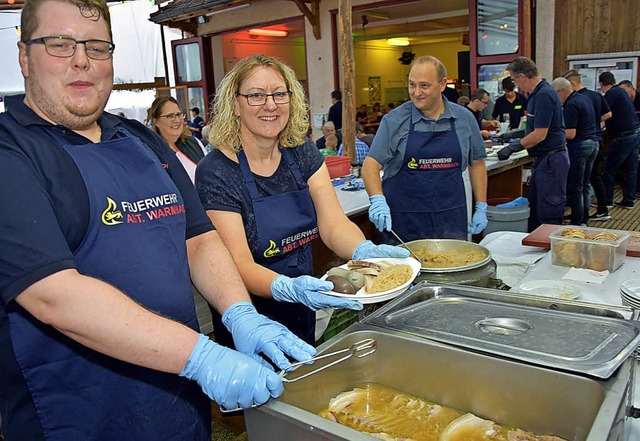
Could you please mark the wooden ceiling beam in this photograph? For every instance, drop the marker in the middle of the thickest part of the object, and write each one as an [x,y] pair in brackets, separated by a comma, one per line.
[312,14]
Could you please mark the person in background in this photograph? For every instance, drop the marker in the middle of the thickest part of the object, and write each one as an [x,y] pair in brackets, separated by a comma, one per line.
[376,113]
[362,115]
[197,123]
[330,146]
[103,234]
[424,146]
[168,122]
[601,113]
[623,129]
[478,102]
[545,141]
[367,138]
[270,195]
[582,142]
[335,111]
[635,97]
[463,100]
[362,149]
[451,93]
[205,139]
[512,103]
[328,128]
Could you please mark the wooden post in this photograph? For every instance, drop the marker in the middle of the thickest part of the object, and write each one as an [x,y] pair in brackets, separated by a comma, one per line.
[348,80]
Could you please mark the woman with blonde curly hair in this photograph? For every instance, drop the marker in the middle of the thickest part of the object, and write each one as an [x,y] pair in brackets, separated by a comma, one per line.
[269,195]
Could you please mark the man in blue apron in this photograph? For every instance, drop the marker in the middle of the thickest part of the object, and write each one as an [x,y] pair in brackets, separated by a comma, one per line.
[545,141]
[424,146]
[103,234]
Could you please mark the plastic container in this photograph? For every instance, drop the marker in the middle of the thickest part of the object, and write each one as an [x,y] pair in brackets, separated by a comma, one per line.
[588,253]
[506,218]
[338,165]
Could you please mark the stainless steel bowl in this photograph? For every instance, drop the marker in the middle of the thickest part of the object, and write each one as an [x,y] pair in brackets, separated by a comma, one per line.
[447,245]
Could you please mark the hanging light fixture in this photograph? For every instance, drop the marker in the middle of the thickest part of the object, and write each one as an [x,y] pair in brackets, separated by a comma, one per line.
[398,41]
[268,32]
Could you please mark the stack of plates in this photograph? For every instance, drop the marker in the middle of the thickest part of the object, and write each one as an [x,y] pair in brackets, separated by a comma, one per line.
[630,293]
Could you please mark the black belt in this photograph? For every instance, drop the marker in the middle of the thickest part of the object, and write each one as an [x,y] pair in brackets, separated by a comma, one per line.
[551,152]
[629,133]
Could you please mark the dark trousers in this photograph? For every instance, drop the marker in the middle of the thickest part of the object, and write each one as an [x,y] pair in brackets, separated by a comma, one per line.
[548,189]
[581,158]
[597,179]
[623,155]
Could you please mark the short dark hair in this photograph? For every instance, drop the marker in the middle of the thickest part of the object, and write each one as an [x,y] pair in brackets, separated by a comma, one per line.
[359,127]
[607,79]
[336,94]
[523,65]
[571,74]
[507,84]
[478,94]
[195,110]
[626,83]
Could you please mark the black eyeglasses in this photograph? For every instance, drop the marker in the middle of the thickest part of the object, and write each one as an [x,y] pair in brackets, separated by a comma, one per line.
[260,99]
[172,116]
[65,47]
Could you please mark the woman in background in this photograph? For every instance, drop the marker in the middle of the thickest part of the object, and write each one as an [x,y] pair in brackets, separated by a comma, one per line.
[168,122]
[269,195]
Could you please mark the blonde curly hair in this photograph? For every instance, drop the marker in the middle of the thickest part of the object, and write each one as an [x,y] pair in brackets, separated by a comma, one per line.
[225,125]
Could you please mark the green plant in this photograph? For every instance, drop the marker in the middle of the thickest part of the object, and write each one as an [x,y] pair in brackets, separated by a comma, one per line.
[407,57]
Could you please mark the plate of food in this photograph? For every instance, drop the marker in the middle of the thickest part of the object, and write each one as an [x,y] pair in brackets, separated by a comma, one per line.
[550,288]
[372,280]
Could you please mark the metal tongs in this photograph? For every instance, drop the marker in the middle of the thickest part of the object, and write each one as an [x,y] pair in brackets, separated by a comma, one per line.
[360,349]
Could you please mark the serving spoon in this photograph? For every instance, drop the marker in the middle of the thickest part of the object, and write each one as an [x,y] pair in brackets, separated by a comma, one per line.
[405,245]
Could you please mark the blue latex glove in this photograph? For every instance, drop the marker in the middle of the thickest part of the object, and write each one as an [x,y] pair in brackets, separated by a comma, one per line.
[254,333]
[479,221]
[367,249]
[304,289]
[505,152]
[517,202]
[379,212]
[230,378]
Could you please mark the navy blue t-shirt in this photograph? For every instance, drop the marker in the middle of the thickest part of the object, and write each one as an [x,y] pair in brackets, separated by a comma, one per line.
[600,107]
[476,115]
[623,115]
[578,114]
[544,110]
[515,109]
[221,186]
[44,201]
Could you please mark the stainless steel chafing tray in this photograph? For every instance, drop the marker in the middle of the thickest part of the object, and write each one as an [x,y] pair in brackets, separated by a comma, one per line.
[515,393]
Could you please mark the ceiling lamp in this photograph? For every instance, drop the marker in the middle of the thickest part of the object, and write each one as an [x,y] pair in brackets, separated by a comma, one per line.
[268,32]
[398,41]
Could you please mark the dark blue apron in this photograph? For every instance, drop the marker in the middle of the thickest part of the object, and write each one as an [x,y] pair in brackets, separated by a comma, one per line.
[426,196]
[286,224]
[136,242]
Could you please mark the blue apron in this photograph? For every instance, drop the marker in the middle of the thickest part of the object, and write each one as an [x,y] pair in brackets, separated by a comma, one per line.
[135,241]
[286,225]
[426,196]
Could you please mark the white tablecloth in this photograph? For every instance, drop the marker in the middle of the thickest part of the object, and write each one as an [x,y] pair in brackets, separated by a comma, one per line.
[519,263]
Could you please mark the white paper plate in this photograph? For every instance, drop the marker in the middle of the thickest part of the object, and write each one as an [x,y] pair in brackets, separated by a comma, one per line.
[383,296]
[550,288]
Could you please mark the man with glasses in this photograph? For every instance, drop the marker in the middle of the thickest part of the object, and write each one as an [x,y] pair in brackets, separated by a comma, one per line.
[479,102]
[425,145]
[103,234]
[545,141]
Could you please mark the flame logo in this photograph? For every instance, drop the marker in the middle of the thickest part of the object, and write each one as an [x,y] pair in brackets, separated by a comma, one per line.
[273,250]
[111,213]
[412,164]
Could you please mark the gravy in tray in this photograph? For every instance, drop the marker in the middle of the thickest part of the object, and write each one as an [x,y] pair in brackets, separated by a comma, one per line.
[389,414]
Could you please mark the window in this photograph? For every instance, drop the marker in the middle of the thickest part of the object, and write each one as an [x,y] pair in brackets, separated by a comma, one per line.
[188,62]
[497,27]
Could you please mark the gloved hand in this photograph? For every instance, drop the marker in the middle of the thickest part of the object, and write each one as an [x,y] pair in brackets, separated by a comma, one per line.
[230,378]
[507,151]
[379,212]
[304,289]
[479,221]
[254,333]
[517,202]
[367,249]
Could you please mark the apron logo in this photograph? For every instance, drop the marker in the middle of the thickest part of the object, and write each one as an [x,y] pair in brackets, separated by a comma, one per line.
[273,250]
[111,213]
[412,164]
